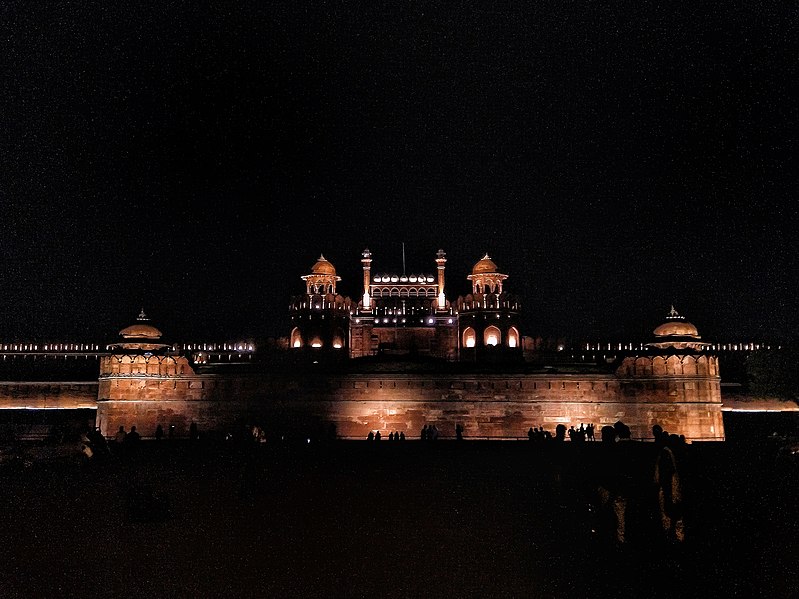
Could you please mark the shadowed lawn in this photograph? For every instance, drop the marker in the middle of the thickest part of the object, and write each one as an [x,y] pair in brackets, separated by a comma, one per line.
[403,519]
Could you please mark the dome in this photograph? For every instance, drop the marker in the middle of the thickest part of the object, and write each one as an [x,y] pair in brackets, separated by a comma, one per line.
[140,330]
[680,328]
[323,267]
[676,326]
[485,265]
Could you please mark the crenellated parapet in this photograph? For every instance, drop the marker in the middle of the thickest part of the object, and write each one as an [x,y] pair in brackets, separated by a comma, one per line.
[488,301]
[132,365]
[702,365]
[328,303]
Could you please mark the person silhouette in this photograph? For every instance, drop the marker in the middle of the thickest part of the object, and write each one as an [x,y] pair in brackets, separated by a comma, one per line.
[133,436]
[159,432]
[657,434]
[669,493]
[370,436]
[377,436]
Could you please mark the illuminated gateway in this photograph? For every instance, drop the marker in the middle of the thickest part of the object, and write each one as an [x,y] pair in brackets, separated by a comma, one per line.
[408,314]
[403,356]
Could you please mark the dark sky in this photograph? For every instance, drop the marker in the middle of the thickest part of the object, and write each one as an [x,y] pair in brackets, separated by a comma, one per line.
[195,159]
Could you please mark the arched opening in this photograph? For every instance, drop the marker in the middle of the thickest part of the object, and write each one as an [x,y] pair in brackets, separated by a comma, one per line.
[659,366]
[492,336]
[643,366]
[469,337]
[316,342]
[689,366]
[513,337]
[338,339]
[296,338]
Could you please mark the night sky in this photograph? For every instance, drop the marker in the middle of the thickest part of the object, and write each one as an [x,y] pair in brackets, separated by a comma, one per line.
[195,159]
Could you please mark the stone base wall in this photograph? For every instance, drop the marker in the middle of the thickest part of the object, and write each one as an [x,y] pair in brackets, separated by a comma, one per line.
[488,406]
[48,395]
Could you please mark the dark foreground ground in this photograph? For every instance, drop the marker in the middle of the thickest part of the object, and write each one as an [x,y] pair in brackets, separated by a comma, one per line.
[402,519]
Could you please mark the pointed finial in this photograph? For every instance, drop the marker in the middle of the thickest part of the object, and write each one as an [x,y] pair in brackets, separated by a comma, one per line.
[142,315]
[673,314]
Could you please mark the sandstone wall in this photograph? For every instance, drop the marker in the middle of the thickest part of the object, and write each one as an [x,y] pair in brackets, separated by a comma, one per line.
[48,395]
[503,406]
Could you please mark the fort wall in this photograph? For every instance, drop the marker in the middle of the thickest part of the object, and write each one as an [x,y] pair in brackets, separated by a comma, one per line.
[487,405]
[47,395]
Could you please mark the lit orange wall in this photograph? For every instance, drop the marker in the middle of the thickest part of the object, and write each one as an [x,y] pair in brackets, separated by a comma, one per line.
[48,395]
[486,405]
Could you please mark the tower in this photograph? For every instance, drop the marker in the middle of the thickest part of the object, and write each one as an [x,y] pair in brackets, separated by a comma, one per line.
[676,370]
[320,318]
[489,317]
[366,261]
[441,261]
[136,373]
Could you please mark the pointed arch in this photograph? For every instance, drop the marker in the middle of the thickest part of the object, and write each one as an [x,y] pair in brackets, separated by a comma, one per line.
[689,365]
[492,336]
[296,338]
[469,337]
[659,365]
[513,337]
[338,339]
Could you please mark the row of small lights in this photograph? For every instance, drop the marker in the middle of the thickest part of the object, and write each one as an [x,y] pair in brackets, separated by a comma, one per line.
[94,347]
[52,347]
[723,346]
[403,279]
[216,347]
[388,320]
[741,346]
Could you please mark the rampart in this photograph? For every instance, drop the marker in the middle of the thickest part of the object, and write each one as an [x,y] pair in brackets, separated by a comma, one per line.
[486,405]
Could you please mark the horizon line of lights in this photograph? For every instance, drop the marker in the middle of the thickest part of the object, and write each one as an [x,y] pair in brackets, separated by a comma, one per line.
[250,347]
[91,347]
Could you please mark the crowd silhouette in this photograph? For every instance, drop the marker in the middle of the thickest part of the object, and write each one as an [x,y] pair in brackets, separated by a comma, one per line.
[631,489]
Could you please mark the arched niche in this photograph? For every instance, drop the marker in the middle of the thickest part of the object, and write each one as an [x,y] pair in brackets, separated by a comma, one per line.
[296,338]
[492,336]
[469,337]
[513,337]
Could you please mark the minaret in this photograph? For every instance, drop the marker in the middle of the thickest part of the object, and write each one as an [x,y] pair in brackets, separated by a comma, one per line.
[441,260]
[366,260]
